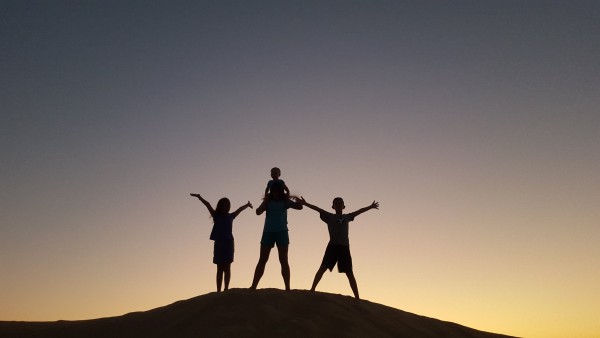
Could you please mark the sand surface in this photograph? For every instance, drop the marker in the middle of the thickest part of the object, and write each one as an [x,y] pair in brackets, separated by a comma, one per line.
[247,313]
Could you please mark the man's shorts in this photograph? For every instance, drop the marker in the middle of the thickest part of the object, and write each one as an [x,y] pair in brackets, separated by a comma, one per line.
[269,239]
[340,254]
[223,252]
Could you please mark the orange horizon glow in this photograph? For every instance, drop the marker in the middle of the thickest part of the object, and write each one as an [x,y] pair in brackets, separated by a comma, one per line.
[474,125]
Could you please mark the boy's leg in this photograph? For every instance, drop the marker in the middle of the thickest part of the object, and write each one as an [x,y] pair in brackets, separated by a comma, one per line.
[353,285]
[330,258]
[227,271]
[285,266]
[260,267]
[318,276]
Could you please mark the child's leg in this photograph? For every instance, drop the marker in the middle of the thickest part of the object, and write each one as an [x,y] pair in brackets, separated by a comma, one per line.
[219,276]
[353,285]
[227,270]
[260,266]
[285,266]
[318,276]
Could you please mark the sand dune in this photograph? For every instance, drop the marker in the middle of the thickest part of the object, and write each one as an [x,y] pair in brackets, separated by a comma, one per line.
[246,313]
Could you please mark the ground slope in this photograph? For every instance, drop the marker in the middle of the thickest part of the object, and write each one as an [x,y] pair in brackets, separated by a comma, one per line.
[247,313]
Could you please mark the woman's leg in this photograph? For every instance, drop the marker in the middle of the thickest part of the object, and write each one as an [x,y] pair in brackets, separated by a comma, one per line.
[285,266]
[260,267]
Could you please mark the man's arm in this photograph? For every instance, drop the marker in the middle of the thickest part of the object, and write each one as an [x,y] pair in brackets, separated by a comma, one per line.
[262,207]
[205,202]
[315,208]
[242,208]
[374,205]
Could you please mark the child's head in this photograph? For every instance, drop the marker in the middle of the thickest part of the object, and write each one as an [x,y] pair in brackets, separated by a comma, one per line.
[223,206]
[275,173]
[338,204]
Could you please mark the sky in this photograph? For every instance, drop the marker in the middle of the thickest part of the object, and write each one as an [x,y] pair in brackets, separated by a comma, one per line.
[474,124]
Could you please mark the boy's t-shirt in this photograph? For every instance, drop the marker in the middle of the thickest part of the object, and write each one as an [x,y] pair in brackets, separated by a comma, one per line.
[222,228]
[338,227]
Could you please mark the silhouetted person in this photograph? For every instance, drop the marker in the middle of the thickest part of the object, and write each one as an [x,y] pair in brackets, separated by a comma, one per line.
[275,231]
[275,174]
[338,248]
[222,234]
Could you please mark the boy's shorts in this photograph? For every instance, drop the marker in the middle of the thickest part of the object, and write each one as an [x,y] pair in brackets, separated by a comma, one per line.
[340,254]
[223,252]
[269,239]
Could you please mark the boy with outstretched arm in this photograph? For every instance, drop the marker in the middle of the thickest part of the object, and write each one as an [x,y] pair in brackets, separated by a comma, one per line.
[338,248]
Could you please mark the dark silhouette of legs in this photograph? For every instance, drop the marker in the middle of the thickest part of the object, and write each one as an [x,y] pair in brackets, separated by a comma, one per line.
[223,272]
[227,275]
[285,266]
[219,276]
[353,285]
[318,276]
[260,267]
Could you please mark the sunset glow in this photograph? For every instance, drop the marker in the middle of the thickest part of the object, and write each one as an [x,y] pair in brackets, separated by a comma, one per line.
[475,125]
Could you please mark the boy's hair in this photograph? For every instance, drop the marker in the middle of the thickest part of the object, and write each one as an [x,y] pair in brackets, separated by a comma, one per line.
[223,206]
[338,199]
[276,169]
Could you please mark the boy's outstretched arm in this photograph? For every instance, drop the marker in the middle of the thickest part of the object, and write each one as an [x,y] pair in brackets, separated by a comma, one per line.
[242,208]
[374,205]
[315,208]
[205,202]
[295,204]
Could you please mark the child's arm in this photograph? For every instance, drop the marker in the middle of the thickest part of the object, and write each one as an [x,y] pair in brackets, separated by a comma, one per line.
[374,205]
[242,208]
[268,188]
[205,202]
[315,208]
[286,190]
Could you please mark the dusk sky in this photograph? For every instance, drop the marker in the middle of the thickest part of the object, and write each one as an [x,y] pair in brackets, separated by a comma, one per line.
[474,124]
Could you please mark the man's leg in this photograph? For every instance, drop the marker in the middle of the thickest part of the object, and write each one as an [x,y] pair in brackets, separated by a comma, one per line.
[285,266]
[260,266]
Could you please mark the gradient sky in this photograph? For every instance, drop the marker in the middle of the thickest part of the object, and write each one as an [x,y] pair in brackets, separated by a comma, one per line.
[475,124]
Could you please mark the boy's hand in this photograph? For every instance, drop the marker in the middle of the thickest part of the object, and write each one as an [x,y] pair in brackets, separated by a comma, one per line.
[302,200]
[195,195]
[250,205]
[375,205]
